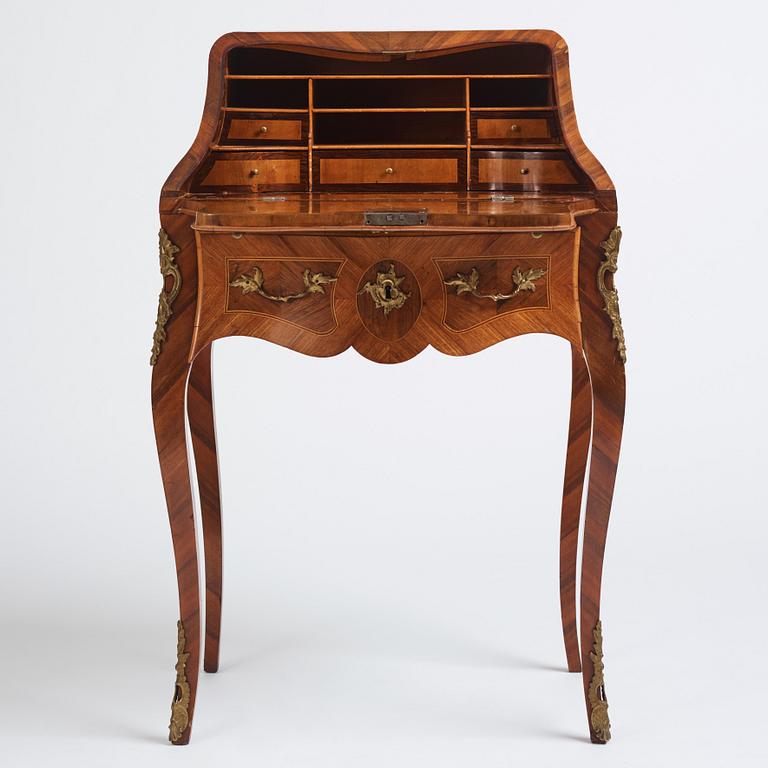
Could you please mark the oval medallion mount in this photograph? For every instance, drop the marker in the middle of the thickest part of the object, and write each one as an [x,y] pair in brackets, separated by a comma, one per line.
[388,300]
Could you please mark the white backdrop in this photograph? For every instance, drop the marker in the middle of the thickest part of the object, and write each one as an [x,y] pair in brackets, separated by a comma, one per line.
[390,596]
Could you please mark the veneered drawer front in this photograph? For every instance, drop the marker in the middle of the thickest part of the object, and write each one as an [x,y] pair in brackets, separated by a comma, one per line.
[251,171]
[389,170]
[512,129]
[491,279]
[526,171]
[265,130]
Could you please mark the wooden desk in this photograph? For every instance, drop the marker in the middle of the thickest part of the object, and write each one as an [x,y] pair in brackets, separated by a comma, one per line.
[387,191]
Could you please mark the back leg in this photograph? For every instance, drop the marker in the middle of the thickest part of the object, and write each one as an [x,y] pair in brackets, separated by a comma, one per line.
[573,485]
[203,429]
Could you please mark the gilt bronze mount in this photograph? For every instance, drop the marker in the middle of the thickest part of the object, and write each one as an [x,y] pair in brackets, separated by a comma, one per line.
[386,292]
[254,283]
[611,296]
[598,702]
[168,268]
[522,280]
[181,691]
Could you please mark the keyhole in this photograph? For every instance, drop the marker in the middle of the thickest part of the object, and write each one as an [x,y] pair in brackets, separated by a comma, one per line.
[388,290]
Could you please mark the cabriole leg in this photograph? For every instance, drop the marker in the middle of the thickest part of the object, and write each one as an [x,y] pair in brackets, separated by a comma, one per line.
[170,352]
[203,429]
[605,354]
[168,411]
[575,467]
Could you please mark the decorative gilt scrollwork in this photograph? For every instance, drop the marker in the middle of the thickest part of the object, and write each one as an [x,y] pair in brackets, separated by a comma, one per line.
[611,297]
[386,292]
[523,280]
[168,268]
[313,283]
[181,692]
[598,703]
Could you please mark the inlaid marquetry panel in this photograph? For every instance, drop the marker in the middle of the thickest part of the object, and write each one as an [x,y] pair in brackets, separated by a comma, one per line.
[388,300]
[298,292]
[346,313]
[465,310]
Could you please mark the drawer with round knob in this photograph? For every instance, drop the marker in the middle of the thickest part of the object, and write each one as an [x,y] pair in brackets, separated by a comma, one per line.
[370,169]
[511,129]
[263,129]
[253,171]
[547,171]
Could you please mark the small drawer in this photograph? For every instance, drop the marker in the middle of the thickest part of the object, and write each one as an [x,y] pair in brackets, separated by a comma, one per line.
[265,130]
[525,171]
[270,171]
[256,129]
[483,289]
[425,170]
[512,129]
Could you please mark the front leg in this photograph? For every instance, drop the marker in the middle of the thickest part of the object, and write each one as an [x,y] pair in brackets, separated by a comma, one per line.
[203,428]
[603,339]
[575,467]
[170,360]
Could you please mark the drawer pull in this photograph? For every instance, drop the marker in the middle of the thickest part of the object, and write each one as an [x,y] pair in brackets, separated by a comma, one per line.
[523,280]
[254,172]
[524,171]
[263,129]
[514,128]
[313,283]
[386,292]
[389,171]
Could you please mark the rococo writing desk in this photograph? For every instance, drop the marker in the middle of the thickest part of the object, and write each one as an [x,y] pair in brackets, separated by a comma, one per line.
[387,191]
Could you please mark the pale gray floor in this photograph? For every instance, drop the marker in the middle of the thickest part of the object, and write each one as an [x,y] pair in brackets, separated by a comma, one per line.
[414,627]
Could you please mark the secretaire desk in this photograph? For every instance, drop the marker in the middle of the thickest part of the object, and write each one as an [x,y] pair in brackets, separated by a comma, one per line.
[387,191]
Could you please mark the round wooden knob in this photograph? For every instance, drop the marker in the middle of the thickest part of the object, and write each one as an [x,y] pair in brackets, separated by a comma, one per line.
[263,129]
[524,171]
[389,171]
[514,128]
[254,172]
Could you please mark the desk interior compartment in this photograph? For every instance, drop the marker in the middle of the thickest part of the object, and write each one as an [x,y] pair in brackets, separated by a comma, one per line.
[268,93]
[253,172]
[514,128]
[368,170]
[506,92]
[526,171]
[390,128]
[372,93]
[264,129]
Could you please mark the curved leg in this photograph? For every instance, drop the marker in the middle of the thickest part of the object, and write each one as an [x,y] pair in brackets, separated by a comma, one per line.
[169,381]
[575,467]
[605,354]
[202,426]
[168,410]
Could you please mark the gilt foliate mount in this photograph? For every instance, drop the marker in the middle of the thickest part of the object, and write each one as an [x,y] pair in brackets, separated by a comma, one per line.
[523,280]
[386,291]
[181,690]
[254,283]
[598,703]
[611,296]
[168,268]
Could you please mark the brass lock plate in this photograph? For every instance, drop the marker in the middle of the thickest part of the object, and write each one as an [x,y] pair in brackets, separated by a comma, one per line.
[395,218]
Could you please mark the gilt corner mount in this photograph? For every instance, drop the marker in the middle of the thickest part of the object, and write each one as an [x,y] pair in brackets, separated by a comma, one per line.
[610,248]
[168,268]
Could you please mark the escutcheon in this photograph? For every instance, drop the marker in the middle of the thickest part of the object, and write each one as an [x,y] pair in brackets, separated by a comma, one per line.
[388,300]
